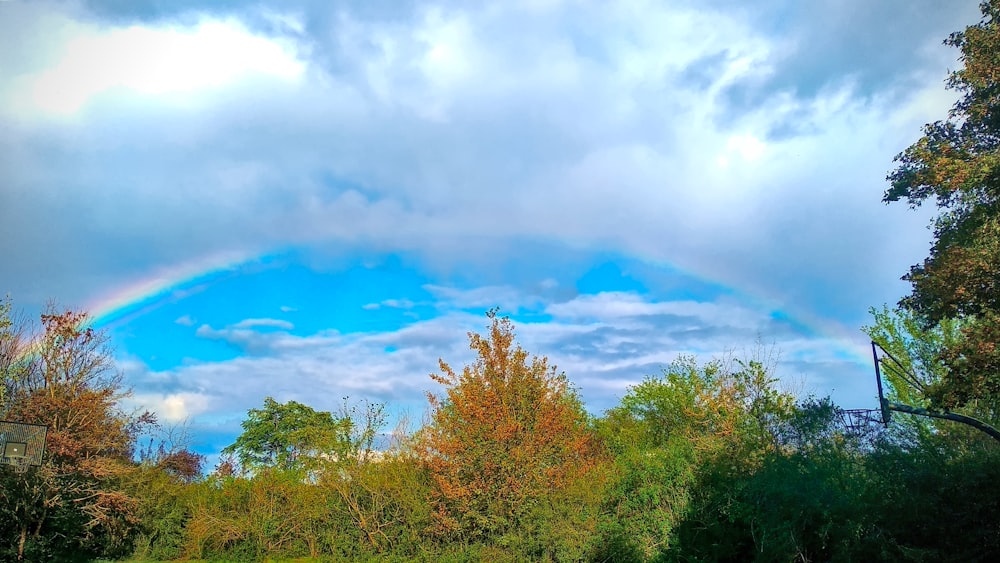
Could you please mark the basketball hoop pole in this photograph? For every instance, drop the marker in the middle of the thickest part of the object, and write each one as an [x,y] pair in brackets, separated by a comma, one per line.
[882,402]
[888,406]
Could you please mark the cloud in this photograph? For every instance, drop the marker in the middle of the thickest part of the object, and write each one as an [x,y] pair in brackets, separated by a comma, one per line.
[876,49]
[390,303]
[434,132]
[505,297]
[247,336]
[150,62]
[185,320]
[173,408]
[264,323]
[612,306]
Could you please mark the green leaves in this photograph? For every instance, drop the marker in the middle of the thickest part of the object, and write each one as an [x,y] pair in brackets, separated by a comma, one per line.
[677,436]
[957,162]
[291,436]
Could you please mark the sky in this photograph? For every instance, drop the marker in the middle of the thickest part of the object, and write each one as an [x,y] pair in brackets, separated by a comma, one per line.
[314,200]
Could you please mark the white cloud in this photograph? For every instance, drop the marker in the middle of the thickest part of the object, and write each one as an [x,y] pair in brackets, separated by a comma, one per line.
[152,61]
[615,307]
[246,336]
[505,297]
[398,303]
[390,303]
[748,147]
[173,407]
[597,128]
[264,323]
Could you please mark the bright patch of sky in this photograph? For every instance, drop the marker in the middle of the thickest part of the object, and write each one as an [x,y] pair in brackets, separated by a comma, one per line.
[311,201]
[93,60]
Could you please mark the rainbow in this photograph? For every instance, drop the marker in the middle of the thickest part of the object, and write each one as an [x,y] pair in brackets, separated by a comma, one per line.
[849,340]
[175,282]
[148,293]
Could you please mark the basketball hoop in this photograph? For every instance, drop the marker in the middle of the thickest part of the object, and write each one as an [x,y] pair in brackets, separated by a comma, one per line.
[885,361]
[860,422]
[21,445]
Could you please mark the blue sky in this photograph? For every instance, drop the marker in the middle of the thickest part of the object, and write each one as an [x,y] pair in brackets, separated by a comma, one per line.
[323,198]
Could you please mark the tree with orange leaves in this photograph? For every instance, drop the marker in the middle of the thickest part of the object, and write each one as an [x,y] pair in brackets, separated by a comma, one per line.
[64,378]
[508,432]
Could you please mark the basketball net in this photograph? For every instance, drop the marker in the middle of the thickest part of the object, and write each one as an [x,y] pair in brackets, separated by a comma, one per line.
[20,464]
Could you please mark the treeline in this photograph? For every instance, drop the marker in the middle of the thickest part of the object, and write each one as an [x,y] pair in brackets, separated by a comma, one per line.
[704,462]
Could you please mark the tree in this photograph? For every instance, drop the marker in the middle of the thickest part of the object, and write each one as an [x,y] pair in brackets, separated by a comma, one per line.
[668,430]
[918,349]
[63,377]
[380,492]
[290,436]
[507,434]
[957,163]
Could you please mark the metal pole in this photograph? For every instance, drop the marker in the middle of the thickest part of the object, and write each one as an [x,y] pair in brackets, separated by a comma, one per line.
[887,406]
[883,404]
[973,422]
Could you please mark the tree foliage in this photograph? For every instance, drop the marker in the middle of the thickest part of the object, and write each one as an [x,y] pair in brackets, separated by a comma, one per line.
[62,376]
[918,349]
[957,164]
[290,436]
[704,462]
[668,428]
[358,504]
[506,435]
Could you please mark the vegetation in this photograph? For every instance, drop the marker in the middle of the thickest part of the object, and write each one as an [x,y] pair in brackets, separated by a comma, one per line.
[508,439]
[705,462]
[957,163]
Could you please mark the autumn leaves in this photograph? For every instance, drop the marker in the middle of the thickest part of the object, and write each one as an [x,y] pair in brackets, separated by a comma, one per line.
[508,432]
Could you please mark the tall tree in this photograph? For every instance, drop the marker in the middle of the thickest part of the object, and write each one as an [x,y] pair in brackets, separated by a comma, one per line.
[957,164]
[508,432]
[64,378]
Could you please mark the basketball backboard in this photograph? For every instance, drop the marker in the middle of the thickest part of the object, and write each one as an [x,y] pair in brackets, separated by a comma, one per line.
[21,444]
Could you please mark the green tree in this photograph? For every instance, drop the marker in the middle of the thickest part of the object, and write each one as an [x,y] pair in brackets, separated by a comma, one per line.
[290,436]
[805,505]
[164,481]
[14,352]
[919,348]
[273,513]
[668,430]
[957,164]
[380,493]
[348,500]
[934,503]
